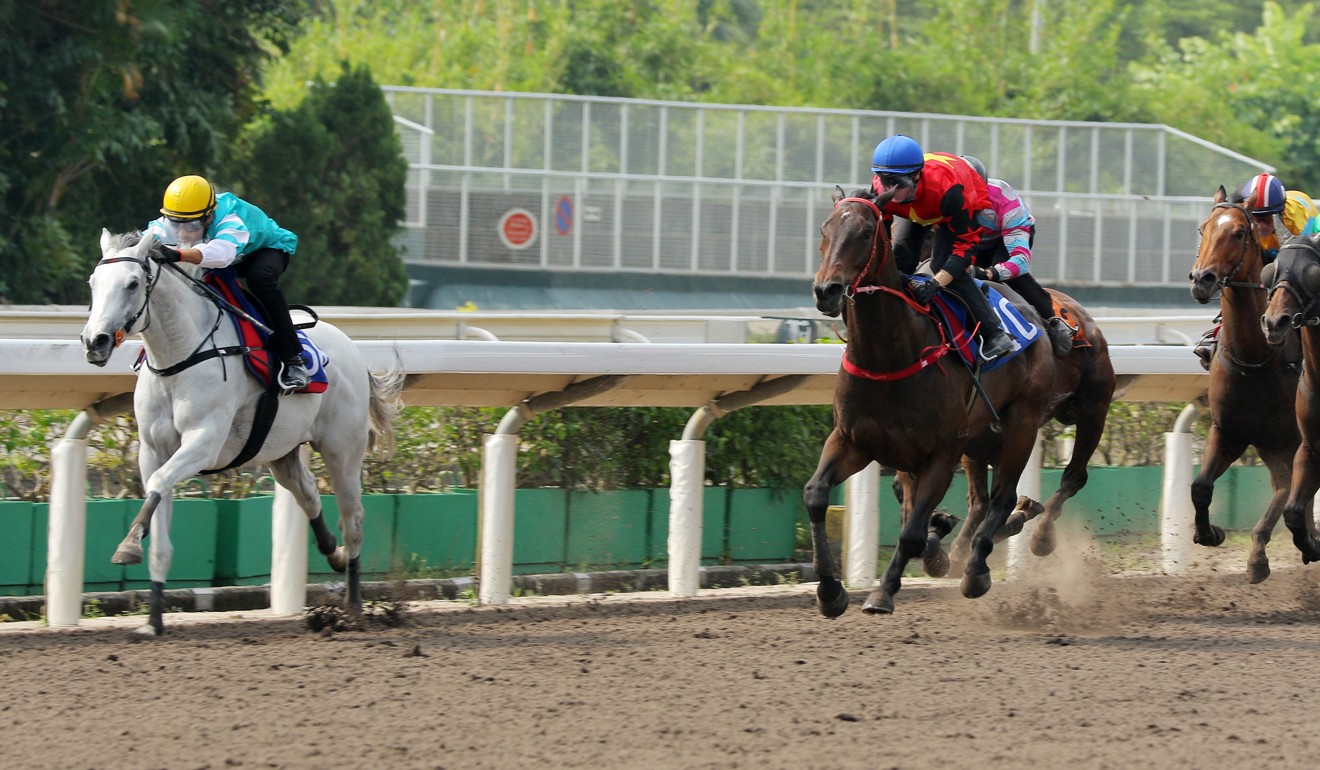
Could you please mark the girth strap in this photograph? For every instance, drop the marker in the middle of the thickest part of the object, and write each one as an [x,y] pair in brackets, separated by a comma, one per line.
[268,407]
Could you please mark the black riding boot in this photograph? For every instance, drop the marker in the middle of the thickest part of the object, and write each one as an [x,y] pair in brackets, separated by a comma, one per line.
[994,342]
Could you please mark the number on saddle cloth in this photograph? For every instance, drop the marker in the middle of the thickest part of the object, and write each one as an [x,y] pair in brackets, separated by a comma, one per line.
[955,317]
[224,282]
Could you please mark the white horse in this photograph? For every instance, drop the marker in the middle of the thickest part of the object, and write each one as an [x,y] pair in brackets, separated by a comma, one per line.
[199,416]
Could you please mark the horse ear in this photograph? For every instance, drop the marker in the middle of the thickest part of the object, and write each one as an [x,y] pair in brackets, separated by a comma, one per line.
[837,195]
[144,245]
[105,240]
[1221,194]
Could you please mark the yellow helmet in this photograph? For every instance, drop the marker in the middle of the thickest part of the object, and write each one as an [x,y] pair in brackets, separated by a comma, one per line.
[188,197]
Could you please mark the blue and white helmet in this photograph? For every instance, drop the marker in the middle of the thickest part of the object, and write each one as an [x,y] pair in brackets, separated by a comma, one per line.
[899,154]
[1263,194]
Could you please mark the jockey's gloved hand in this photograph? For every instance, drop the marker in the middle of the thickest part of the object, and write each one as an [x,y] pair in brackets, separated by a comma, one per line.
[923,291]
[166,254]
[986,273]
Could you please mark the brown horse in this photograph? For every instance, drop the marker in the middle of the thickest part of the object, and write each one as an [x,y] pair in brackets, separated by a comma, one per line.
[1083,387]
[1252,384]
[902,403]
[1293,295]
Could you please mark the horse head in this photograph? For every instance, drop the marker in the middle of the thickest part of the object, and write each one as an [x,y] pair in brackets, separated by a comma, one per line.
[854,248]
[1294,290]
[1229,250]
[121,288]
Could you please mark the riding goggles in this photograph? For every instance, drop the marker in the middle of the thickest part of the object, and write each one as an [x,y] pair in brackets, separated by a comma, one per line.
[187,225]
[888,181]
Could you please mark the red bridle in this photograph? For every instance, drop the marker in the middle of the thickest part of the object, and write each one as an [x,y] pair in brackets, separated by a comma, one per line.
[933,353]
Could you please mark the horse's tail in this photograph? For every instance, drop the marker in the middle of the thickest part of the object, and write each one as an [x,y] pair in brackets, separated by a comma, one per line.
[383,406]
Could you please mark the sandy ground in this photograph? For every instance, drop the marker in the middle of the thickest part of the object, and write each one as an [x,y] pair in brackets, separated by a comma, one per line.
[1072,666]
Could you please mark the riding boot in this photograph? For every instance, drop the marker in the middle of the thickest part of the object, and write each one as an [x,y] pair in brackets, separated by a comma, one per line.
[1061,336]
[994,342]
[1209,342]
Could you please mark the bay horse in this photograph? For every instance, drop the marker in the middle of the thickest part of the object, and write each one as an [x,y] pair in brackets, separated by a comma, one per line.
[901,403]
[1084,385]
[1293,295]
[1253,384]
[199,416]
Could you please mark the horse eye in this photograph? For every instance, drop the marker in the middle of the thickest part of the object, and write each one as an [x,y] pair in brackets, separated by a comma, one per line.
[132,285]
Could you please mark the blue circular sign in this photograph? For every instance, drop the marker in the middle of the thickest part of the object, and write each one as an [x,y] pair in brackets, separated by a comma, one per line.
[564,215]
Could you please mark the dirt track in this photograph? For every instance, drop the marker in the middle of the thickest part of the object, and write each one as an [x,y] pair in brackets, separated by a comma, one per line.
[1071,667]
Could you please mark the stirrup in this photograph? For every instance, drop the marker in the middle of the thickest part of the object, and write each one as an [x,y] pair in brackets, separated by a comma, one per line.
[1061,336]
[293,378]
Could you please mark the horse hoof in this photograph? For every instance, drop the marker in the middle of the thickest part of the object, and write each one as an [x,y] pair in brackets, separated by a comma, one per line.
[1043,542]
[338,560]
[831,599]
[878,603]
[127,555]
[1258,571]
[1214,537]
[937,566]
[976,586]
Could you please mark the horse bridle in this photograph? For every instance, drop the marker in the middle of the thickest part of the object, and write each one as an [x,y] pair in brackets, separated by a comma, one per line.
[146,297]
[1303,317]
[1227,281]
[856,286]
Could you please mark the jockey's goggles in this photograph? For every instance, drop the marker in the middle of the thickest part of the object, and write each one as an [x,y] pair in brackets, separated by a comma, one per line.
[894,180]
[188,225]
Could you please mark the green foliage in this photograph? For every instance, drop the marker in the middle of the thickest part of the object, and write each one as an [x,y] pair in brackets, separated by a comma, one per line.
[332,170]
[100,102]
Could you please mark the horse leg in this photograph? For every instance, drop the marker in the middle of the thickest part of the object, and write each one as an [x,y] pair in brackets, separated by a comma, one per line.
[1258,563]
[1305,482]
[978,496]
[345,469]
[1220,452]
[291,473]
[1018,442]
[931,484]
[1090,428]
[839,459]
[161,558]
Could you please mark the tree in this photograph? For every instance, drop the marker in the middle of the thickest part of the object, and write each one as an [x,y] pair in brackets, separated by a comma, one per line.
[100,105]
[332,171]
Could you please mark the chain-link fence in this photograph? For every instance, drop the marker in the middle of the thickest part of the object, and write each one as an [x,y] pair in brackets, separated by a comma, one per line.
[575,183]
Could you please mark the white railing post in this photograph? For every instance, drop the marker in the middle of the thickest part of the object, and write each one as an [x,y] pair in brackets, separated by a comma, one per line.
[67,527]
[498,466]
[1176,509]
[687,462]
[288,550]
[862,496]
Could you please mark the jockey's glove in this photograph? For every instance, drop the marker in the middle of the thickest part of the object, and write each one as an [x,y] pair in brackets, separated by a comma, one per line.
[923,291]
[986,273]
[166,254]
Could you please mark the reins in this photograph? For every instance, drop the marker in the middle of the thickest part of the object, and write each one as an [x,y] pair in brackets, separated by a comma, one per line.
[1227,281]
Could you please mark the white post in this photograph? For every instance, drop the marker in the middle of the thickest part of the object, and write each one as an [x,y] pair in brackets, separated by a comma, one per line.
[66,531]
[862,495]
[1176,510]
[1029,485]
[288,551]
[496,516]
[687,462]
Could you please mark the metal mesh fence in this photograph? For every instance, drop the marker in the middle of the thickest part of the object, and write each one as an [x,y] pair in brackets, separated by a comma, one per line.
[587,183]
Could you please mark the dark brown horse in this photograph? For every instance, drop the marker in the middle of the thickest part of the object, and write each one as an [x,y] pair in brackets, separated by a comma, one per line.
[1083,387]
[1252,384]
[1293,297]
[902,403]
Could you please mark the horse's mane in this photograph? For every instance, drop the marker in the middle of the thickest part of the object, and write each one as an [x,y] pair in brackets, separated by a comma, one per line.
[120,241]
[863,192]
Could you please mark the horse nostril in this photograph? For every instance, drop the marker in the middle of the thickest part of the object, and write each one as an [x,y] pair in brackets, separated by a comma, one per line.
[100,341]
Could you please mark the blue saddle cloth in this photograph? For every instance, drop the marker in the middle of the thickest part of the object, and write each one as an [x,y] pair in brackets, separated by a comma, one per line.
[259,364]
[955,318]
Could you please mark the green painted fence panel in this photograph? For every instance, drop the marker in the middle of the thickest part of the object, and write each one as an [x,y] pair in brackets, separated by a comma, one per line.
[714,515]
[193,528]
[16,554]
[377,559]
[1241,496]
[107,523]
[607,530]
[437,531]
[540,530]
[762,524]
[242,541]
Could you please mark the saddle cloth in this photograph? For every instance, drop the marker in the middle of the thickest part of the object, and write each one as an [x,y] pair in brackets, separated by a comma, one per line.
[259,362]
[954,316]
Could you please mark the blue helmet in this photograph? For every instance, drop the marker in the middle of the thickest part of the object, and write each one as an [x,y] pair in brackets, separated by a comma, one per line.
[898,154]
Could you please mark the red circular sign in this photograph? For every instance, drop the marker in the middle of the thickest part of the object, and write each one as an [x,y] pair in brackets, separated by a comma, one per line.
[517,228]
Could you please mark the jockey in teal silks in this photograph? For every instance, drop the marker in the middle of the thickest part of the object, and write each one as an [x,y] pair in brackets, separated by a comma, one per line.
[217,231]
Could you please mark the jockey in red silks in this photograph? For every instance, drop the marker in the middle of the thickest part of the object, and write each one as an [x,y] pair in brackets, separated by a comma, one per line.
[940,191]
